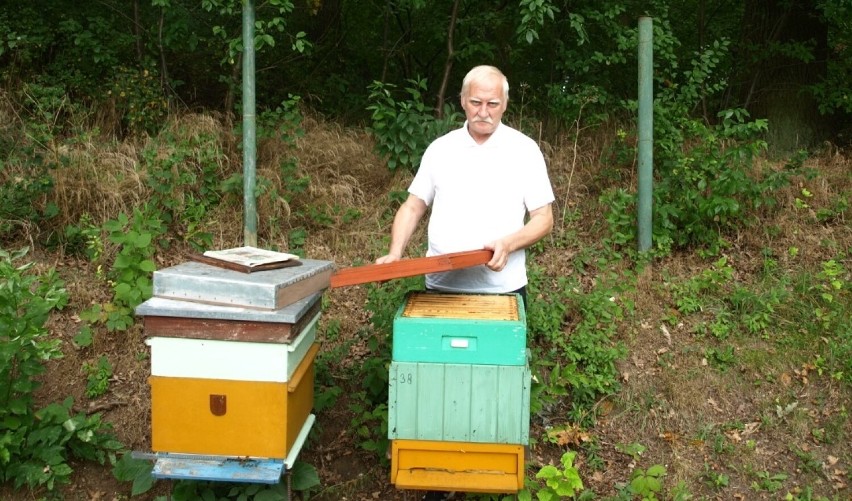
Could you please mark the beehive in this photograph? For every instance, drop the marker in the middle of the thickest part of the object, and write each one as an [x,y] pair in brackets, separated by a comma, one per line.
[459,402]
[457,466]
[215,416]
[460,328]
[233,376]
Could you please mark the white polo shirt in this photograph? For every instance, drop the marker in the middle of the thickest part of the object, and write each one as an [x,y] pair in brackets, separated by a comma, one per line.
[478,194]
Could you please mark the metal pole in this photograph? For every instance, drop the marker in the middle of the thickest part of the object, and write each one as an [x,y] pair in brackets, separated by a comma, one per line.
[249,128]
[646,131]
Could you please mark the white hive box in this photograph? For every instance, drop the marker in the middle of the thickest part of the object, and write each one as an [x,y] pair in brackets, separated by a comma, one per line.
[230,360]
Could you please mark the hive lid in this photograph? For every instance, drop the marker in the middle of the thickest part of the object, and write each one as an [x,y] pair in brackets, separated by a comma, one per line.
[272,289]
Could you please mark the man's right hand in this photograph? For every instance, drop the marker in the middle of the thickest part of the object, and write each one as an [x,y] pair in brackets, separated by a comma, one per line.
[388,258]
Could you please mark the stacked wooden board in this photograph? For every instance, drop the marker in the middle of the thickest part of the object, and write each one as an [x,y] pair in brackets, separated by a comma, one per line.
[232,366]
[459,393]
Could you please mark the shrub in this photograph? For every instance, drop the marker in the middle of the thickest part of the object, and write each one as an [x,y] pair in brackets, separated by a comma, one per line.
[35,445]
[404,128]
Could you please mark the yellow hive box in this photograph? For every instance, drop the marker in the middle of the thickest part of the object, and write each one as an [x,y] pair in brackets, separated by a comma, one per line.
[231,418]
[457,466]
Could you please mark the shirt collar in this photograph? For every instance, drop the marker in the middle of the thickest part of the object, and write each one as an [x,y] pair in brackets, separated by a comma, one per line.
[471,142]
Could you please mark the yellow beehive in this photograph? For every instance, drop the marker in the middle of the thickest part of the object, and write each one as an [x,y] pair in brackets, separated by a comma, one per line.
[457,466]
[231,417]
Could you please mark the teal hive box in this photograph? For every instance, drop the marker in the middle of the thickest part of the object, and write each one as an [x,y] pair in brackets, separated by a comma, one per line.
[486,329]
[459,402]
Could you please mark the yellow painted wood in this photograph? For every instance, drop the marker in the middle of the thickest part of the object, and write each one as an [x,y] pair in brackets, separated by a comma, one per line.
[232,418]
[463,466]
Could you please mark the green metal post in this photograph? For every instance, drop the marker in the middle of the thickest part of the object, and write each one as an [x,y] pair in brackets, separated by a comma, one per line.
[249,128]
[646,131]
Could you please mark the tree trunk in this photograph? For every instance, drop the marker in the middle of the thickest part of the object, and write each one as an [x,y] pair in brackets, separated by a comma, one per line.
[439,105]
[773,84]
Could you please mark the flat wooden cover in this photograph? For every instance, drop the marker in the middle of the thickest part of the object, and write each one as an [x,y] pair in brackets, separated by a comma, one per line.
[409,267]
[464,306]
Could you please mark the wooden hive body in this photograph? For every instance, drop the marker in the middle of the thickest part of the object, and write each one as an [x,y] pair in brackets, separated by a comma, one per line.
[232,360]
[231,417]
[460,328]
[459,402]
[457,466]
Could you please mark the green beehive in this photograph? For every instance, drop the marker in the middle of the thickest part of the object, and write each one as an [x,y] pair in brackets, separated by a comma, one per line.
[459,402]
[486,329]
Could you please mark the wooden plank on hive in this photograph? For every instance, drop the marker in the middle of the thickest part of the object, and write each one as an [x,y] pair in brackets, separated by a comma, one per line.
[409,267]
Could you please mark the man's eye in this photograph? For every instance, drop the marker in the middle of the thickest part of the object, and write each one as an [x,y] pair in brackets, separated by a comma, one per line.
[493,105]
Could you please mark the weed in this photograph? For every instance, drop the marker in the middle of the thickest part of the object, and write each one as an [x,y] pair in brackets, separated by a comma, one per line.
[634,450]
[370,425]
[131,271]
[559,483]
[582,364]
[770,482]
[97,377]
[36,445]
[807,460]
[715,480]
[805,494]
[721,358]
[648,485]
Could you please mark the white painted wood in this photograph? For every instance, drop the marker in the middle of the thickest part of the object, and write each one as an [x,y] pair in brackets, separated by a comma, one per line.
[232,360]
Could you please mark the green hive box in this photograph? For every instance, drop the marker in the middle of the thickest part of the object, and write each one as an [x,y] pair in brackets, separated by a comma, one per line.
[486,329]
[459,402]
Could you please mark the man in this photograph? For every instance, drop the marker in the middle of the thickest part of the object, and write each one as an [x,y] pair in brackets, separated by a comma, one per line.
[481,181]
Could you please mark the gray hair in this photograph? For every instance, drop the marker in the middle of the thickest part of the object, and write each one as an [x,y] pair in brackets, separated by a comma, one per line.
[484,72]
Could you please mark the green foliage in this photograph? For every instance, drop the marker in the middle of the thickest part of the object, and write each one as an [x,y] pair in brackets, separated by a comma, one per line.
[21,196]
[36,445]
[706,191]
[271,21]
[533,13]
[834,91]
[97,377]
[370,425]
[693,295]
[403,128]
[647,485]
[27,161]
[138,471]
[559,483]
[185,179]
[580,365]
[139,99]
[831,313]
[770,482]
[131,272]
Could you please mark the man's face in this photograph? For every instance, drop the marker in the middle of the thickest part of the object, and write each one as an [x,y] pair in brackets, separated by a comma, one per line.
[483,107]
